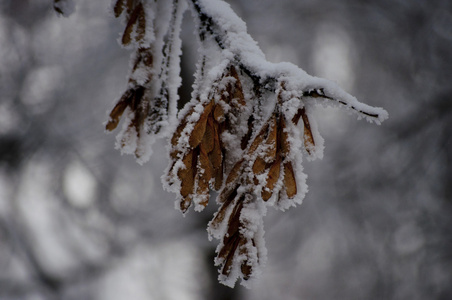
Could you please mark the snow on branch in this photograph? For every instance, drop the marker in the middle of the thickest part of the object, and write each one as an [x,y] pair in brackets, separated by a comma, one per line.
[243,134]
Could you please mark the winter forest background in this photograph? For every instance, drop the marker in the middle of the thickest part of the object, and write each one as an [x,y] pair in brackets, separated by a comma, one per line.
[80,221]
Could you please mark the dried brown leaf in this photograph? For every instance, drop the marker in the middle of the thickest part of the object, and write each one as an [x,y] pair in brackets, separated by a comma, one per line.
[130,6]
[235,172]
[141,25]
[272,178]
[118,8]
[208,141]
[118,110]
[245,268]
[232,239]
[200,127]
[228,199]
[258,139]
[307,135]
[231,248]
[177,134]
[203,176]
[218,175]
[259,165]
[215,155]
[272,136]
[218,113]
[289,180]
[216,158]
[187,174]
[234,219]
[126,37]
[185,203]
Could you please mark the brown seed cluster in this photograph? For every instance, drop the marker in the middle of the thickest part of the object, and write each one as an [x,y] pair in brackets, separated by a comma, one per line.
[204,157]
[135,98]
[267,154]
[148,105]
[235,244]
[264,170]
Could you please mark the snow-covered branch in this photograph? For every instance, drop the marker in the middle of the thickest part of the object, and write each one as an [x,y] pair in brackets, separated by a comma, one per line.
[217,20]
[244,132]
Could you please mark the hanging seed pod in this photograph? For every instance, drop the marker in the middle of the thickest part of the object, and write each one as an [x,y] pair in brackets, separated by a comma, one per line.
[200,127]
[187,179]
[235,172]
[272,178]
[271,141]
[141,25]
[118,8]
[203,176]
[208,140]
[258,139]
[127,35]
[259,165]
[290,183]
[308,138]
[218,113]
[118,110]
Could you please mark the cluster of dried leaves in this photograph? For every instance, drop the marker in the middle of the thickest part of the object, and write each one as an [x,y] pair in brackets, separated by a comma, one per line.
[224,140]
[265,171]
[148,96]
[204,156]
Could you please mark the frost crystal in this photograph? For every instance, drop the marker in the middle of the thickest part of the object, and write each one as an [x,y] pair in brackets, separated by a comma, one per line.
[244,132]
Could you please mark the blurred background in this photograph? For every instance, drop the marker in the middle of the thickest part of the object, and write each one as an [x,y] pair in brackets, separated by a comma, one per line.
[78,221]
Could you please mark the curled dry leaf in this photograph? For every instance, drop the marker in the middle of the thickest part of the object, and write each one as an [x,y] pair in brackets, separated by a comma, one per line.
[272,178]
[200,127]
[290,183]
[118,8]
[308,138]
[118,110]
[235,172]
[133,99]
[136,20]
[271,142]
[186,174]
[203,176]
